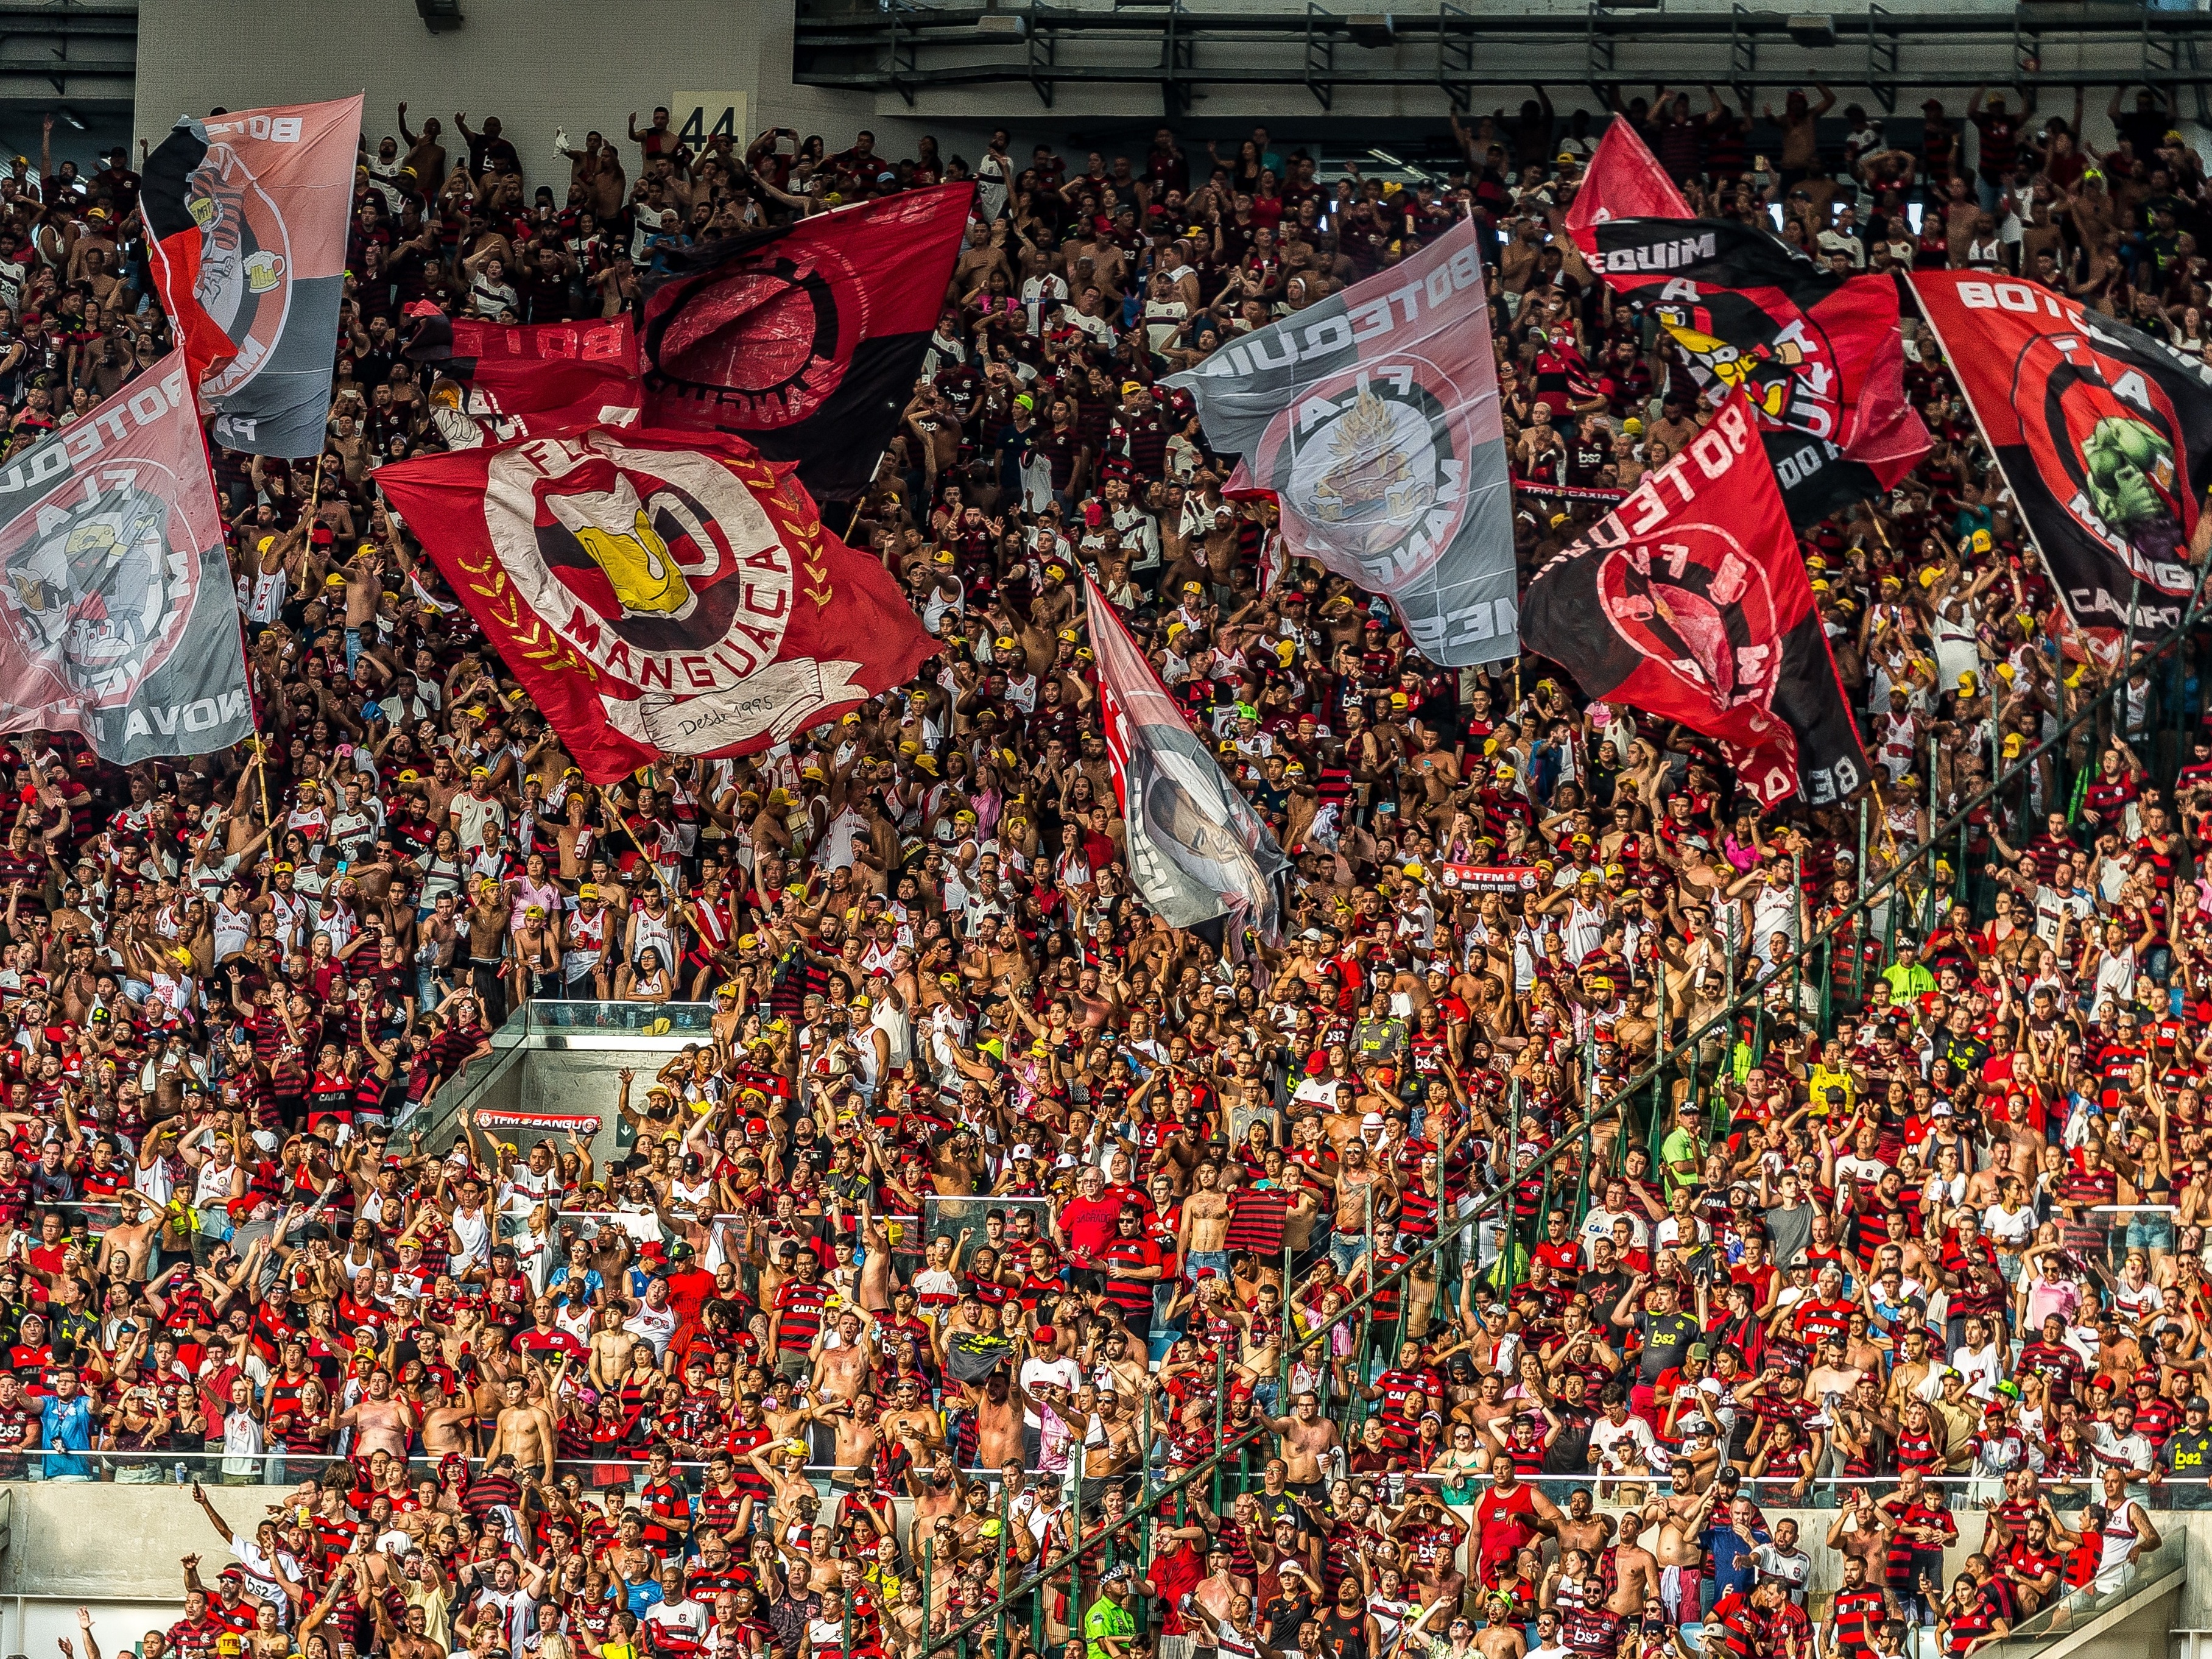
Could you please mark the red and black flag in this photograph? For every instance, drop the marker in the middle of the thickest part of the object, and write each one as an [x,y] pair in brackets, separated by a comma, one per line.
[497,380]
[1690,602]
[806,338]
[1818,355]
[2104,435]
[247,213]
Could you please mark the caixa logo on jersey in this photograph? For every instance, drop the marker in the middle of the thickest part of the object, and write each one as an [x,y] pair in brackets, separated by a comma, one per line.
[245,261]
[93,588]
[1699,602]
[1373,463]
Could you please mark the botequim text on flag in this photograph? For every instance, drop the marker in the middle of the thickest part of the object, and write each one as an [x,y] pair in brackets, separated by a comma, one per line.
[806,338]
[1373,417]
[118,619]
[1689,601]
[1819,354]
[658,592]
[2105,436]
[1197,850]
[246,215]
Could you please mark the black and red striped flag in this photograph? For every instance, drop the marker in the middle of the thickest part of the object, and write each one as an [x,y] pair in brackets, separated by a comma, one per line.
[805,339]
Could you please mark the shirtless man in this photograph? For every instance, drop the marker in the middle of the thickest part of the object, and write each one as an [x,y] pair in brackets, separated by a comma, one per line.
[998,1406]
[1220,1589]
[524,1433]
[1680,1515]
[1861,1533]
[857,1436]
[841,1372]
[385,1423]
[1583,1529]
[938,1488]
[449,1427]
[1204,1236]
[913,1424]
[1306,1437]
[1636,1571]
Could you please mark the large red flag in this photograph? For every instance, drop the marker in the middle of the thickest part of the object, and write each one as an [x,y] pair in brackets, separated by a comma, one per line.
[658,592]
[1625,181]
[1689,601]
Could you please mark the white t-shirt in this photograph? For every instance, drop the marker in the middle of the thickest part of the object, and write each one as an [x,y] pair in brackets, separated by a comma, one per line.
[687,1616]
[1061,1373]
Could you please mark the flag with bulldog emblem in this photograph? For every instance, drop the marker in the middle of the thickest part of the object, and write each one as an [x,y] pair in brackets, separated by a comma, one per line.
[118,619]
[1690,602]
[658,592]
[806,338]
[1197,850]
[246,216]
[1373,417]
[1817,355]
[498,380]
[2105,436]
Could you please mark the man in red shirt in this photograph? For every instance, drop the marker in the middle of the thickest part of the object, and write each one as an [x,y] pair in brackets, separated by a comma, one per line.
[1086,1223]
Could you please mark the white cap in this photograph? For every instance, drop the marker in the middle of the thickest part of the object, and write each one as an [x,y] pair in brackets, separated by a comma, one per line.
[1372,1121]
[1023,1151]
[1065,1161]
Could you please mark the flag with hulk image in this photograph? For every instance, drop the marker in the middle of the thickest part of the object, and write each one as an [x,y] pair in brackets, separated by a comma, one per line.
[2105,436]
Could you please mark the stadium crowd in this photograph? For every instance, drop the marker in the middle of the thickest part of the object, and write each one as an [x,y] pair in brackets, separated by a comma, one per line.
[985,1207]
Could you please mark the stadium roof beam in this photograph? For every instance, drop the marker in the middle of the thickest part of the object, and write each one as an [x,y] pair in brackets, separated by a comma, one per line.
[1614,45]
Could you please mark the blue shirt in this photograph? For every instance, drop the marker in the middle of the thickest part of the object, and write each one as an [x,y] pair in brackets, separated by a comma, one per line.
[1730,1559]
[66,1425]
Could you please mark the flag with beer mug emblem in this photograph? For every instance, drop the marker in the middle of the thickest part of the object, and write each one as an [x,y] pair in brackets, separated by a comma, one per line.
[1197,850]
[657,592]
[1689,601]
[247,214]
[2105,436]
[118,619]
[1373,417]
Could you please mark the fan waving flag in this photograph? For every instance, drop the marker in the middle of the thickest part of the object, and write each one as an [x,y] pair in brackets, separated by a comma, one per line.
[117,618]
[1818,355]
[1690,602]
[658,592]
[247,214]
[1197,850]
[807,338]
[1373,417]
[2104,435]
[513,381]
[1625,181]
